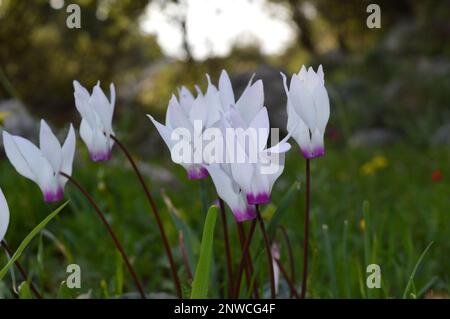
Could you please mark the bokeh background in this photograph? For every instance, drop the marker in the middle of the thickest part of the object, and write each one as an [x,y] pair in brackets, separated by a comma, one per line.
[387,140]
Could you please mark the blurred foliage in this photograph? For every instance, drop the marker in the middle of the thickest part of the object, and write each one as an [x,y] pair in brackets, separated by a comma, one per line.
[41,56]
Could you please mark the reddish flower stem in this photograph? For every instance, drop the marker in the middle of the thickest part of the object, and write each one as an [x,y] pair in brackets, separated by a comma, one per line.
[166,244]
[110,231]
[244,257]
[248,264]
[306,230]
[268,252]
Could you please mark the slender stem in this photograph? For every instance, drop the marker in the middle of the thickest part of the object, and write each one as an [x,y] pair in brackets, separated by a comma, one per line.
[273,293]
[155,210]
[110,231]
[248,263]
[289,249]
[227,247]
[185,256]
[21,269]
[306,230]
[245,253]
[288,280]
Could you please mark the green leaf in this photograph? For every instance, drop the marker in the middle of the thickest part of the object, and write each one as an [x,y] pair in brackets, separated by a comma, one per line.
[28,238]
[203,271]
[413,273]
[24,291]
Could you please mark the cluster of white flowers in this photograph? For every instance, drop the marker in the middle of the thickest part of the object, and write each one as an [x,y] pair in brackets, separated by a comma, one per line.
[241,184]
[246,182]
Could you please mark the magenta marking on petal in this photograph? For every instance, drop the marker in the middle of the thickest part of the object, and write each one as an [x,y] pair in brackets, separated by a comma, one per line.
[259,198]
[318,152]
[51,197]
[197,173]
[242,216]
[100,156]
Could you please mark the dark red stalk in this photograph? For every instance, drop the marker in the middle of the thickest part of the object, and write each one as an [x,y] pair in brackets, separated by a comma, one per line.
[268,252]
[248,264]
[288,280]
[166,244]
[110,231]
[21,269]
[306,231]
[244,257]
[227,247]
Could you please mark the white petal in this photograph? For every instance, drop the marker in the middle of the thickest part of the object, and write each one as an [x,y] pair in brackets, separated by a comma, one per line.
[321,74]
[98,144]
[22,154]
[272,169]
[82,103]
[112,92]
[164,131]
[215,107]
[103,108]
[186,99]
[68,153]
[302,101]
[230,193]
[176,117]
[199,111]
[28,160]
[4,215]
[302,73]
[242,170]
[261,123]
[225,89]
[251,101]
[50,146]
[322,104]
[299,131]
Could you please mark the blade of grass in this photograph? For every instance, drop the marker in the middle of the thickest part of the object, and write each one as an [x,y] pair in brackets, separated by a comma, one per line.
[413,273]
[28,238]
[203,270]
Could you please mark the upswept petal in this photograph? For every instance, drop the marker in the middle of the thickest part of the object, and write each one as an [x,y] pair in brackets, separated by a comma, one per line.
[301,99]
[68,153]
[226,90]
[164,131]
[50,146]
[186,99]
[261,123]
[82,103]
[251,101]
[102,107]
[4,215]
[322,103]
[175,116]
[23,155]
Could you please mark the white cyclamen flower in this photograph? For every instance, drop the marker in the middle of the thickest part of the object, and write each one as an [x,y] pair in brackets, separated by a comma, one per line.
[96,124]
[253,167]
[186,119]
[42,165]
[4,215]
[308,109]
[229,191]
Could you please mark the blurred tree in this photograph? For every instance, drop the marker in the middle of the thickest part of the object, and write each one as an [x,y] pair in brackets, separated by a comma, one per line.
[40,56]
